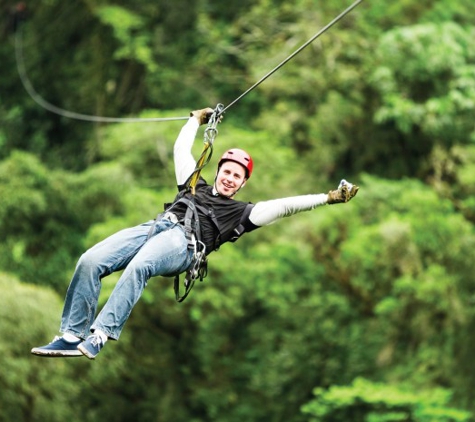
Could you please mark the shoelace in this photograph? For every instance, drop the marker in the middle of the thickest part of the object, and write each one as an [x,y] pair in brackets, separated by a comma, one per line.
[96,341]
[56,338]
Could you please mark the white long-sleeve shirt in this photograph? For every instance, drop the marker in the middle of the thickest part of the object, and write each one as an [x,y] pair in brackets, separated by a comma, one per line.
[264,212]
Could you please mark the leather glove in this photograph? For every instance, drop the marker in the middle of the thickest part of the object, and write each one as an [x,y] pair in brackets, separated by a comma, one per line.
[203,115]
[344,193]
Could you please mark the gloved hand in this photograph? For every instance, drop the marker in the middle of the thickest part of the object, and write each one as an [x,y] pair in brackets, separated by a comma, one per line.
[344,193]
[202,115]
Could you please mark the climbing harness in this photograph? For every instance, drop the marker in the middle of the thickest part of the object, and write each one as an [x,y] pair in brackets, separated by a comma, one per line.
[199,265]
[198,268]
[191,226]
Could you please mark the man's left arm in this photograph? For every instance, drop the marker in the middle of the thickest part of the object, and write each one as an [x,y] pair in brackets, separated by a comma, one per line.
[267,212]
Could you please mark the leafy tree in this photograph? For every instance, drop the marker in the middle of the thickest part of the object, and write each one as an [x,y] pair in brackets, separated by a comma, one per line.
[408,268]
[375,402]
[427,93]
[452,176]
[44,215]
[32,389]
[380,289]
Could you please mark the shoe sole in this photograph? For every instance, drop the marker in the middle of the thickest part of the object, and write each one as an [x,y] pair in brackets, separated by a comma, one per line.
[57,353]
[86,352]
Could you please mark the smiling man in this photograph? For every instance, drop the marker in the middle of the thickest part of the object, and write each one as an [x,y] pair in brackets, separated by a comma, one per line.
[234,169]
[177,241]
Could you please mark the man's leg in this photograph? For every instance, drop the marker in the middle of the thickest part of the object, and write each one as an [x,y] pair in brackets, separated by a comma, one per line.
[112,254]
[164,254]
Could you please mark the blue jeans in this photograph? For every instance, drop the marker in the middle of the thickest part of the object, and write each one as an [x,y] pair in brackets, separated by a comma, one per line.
[166,252]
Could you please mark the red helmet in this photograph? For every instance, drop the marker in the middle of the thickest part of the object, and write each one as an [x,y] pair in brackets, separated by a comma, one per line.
[238,156]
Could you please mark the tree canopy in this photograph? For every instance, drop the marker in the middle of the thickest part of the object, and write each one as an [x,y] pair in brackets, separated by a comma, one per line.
[360,312]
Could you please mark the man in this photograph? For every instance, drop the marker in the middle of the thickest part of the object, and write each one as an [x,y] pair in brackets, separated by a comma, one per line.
[193,226]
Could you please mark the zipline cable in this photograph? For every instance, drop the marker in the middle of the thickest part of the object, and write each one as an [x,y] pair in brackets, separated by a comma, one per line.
[66,113]
[323,30]
[91,118]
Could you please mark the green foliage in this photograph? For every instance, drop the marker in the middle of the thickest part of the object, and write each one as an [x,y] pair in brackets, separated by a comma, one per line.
[32,389]
[425,83]
[376,295]
[366,401]
[461,11]
[426,88]
[44,214]
[146,151]
[453,176]
[128,30]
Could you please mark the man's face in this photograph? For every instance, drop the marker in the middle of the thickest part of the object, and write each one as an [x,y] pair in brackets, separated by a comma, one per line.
[230,178]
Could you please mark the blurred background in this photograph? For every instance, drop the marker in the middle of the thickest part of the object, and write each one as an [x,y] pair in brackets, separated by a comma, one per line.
[360,312]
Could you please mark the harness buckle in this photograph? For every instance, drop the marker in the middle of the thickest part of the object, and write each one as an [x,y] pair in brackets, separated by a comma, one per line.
[171,217]
[199,266]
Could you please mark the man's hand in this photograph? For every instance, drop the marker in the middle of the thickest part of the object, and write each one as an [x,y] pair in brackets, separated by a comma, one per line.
[203,115]
[344,193]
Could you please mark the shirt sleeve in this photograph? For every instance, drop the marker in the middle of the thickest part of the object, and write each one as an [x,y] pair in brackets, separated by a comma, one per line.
[184,161]
[268,212]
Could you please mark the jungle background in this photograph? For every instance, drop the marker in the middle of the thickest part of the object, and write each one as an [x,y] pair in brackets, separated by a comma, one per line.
[355,312]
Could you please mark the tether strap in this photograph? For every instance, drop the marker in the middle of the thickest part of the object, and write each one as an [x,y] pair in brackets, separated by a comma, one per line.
[209,136]
[240,229]
[198,267]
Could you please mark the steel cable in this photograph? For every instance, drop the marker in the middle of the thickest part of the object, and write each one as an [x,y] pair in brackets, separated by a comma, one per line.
[92,118]
[290,57]
[66,113]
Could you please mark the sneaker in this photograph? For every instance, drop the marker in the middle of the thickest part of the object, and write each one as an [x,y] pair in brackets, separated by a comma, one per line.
[59,347]
[91,346]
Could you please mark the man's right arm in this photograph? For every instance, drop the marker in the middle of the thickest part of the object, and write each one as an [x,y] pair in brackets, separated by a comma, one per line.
[183,158]
[185,164]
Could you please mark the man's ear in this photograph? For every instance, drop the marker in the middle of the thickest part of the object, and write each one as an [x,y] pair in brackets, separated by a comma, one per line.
[243,184]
